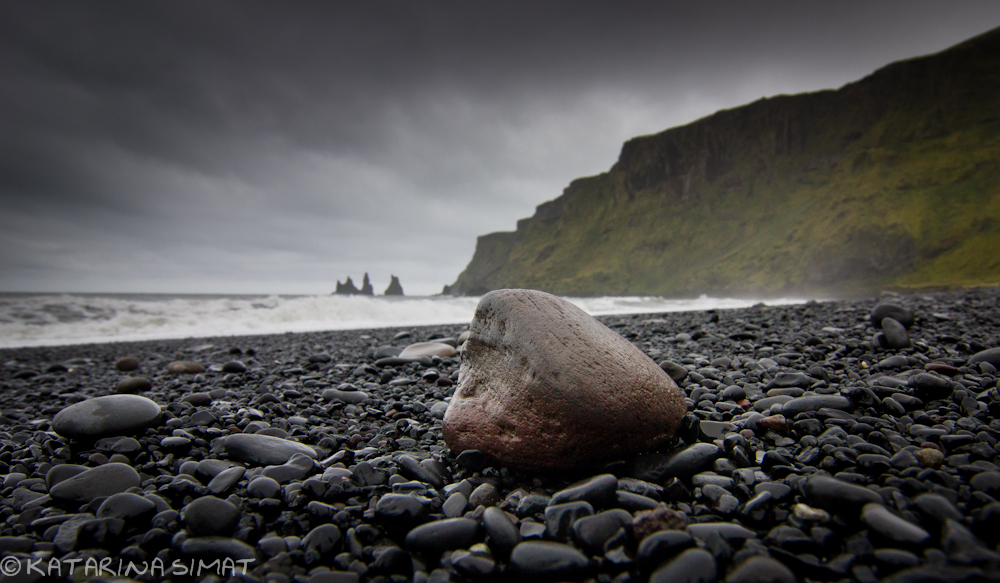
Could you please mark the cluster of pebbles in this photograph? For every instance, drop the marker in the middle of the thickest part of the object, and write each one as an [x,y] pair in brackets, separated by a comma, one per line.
[834,441]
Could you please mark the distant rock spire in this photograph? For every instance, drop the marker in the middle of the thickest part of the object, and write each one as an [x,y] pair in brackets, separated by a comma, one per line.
[347,288]
[366,287]
[394,288]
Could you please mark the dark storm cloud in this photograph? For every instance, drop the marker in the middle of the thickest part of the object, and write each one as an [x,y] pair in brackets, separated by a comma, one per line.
[254,146]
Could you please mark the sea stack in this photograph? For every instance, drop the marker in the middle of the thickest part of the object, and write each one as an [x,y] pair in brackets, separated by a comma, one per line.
[394,288]
[347,288]
[544,385]
[366,287]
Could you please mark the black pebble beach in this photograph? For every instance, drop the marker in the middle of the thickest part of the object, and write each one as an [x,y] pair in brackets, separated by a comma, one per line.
[829,441]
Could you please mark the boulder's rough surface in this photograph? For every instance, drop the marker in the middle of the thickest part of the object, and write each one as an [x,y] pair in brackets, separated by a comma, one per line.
[545,385]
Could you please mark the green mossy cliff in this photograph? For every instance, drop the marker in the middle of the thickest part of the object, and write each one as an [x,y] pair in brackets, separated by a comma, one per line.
[889,182]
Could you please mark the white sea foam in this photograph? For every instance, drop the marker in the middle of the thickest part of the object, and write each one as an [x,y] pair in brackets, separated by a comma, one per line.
[53,319]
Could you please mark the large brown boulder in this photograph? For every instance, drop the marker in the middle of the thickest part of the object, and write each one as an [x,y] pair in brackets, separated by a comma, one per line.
[543,385]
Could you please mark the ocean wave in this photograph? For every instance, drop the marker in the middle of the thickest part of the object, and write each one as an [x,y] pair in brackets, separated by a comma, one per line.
[55,319]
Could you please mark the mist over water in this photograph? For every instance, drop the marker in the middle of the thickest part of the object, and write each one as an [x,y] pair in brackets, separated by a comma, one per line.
[55,319]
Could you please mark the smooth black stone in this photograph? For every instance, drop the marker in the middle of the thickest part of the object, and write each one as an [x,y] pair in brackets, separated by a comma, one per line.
[449,534]
[757,502]
[62,472]
[503,534]
[890,560]
[531,505]
[592,532]
[126,506]
[322,541]
[234,366]
[351,397]
[662,545]
[734,393]
[936,507]
[211,516]
[127,363]
[893,407]
[930,387]
[225,480]
[365,474]
[599,491]
[987,482]
[815,403]
[837,496]
[455,505]
[766,403]
[412,469]
[473,460]
[675,371]
[401,508]
[386,352]
[261,450]
[99,482]
[548,561]
[295,469]
[691,566]
[634,502]
[106,416]
[682,463]
[559,518]
[133,385]
[777,489]
[474,566]
[640,487]
[761,570]
[785,380]
[263,487]
[891,527]
[896,361]
[990,355]
[898,313]
[896,336]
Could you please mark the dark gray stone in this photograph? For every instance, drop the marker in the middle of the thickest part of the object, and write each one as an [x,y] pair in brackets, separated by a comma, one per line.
[210,516]
[449,534]
[548,561]
[106,416]
[261,450]
[99,482]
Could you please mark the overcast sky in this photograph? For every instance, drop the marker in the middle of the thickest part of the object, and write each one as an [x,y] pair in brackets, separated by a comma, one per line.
[248,147]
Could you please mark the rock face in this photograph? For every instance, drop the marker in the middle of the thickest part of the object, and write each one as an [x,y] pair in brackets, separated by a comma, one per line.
[796,193]
[394,288]
[545,385]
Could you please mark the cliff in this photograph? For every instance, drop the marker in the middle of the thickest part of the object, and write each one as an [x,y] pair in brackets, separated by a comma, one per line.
[889,182]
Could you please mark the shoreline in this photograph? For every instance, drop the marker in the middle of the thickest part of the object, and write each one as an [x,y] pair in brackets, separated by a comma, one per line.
[70,320]
[798,422]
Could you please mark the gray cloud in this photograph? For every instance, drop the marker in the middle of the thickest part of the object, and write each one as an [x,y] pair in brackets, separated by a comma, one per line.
[257,147]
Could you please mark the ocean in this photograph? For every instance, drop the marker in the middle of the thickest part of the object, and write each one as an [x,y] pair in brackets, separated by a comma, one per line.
[30,319]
